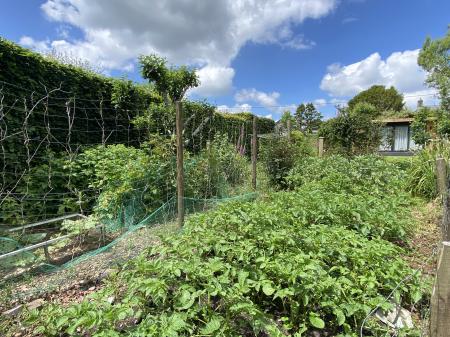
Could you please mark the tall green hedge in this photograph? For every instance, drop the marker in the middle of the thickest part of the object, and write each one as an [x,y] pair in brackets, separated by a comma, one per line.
[49,108]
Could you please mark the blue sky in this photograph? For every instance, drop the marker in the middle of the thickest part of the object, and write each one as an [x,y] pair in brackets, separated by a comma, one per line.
[260,57]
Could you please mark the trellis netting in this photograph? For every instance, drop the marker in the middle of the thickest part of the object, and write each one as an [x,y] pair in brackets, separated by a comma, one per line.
[87,164]
[163,214]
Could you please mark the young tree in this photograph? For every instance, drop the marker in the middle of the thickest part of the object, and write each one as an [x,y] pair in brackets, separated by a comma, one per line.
[434,58]
[284,120]
[381,98]
[171,82]
[419,130]
[307,117]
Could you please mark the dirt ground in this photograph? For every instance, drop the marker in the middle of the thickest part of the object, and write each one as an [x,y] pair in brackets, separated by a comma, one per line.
[75,282]
[423,247]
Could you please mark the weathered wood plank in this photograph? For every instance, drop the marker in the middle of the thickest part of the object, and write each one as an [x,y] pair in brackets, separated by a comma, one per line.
[440,299]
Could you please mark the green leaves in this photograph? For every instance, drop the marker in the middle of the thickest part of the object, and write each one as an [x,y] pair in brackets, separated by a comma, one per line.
[286,265]
[316,321]
[267,288]
[212,326]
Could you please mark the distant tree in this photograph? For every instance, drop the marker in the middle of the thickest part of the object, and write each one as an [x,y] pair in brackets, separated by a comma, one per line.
[284,120]
[434,58]
[381,98]
[307,117]
[364,109]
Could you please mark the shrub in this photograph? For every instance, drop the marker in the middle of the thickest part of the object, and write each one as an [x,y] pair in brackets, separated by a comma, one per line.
[351,134]
[215,169]
[123,174]
[279,156]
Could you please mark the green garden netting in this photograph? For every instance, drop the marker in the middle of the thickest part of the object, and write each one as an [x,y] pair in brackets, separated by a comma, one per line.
[130,218]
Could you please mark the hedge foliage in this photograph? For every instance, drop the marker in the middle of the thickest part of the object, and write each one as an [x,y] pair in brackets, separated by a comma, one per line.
[52,112]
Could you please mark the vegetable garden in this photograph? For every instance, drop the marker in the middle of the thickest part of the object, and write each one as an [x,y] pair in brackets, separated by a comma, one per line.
[319,248]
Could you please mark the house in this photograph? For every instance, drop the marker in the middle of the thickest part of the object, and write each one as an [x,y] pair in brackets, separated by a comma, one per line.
[397,136]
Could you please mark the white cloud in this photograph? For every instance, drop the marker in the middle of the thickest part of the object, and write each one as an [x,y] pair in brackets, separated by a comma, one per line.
[320,102]
[40,46]
[200,33]
[428,96]
[214,81]
[267,100]
[235,109]
[400,70]
[349,20]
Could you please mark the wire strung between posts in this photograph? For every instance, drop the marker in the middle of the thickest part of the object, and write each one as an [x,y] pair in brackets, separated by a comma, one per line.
[405,279]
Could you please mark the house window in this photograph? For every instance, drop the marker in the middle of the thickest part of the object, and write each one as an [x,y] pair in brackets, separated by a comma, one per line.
[397,138]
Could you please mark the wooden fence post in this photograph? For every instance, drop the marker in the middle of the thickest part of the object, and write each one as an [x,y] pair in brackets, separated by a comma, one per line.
[289,130]
[442,187]
[180,169]
[440,299]
[254,153]
[320,146]
[441,173]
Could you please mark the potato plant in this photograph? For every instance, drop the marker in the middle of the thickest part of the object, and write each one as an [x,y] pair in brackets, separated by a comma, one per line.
[292,263]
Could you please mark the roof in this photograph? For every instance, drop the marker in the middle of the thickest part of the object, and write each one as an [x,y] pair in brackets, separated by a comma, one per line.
[397,120]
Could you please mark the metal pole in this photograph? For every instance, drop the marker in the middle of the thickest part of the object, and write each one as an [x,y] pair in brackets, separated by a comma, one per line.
[180,169]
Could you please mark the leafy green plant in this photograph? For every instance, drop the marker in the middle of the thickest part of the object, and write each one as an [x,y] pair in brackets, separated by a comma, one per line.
[263,275]
[351,133]
[279,155]
[293,263]
[369,174]
[80,226]
[421,177]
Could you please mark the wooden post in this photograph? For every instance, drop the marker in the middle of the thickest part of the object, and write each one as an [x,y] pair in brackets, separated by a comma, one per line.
[47,254]
[440,299]
[254,151]
[320,146]
[441,173]
[442,188]
[446,219]
[289,130]
[180,171]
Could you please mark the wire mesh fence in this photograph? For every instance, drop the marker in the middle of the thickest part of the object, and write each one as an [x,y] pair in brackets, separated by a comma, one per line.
[112,165]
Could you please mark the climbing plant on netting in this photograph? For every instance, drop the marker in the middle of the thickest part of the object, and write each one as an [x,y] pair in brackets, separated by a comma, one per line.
[81,169]
[116,174]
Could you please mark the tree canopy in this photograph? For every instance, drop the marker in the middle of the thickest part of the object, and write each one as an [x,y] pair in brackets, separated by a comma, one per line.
[307,117]
[171,82]
[434,57]
[380,97]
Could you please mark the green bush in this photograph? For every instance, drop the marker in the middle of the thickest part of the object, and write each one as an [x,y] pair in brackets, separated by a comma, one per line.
[352,132]
[120,174]
[215,169]
[279,156]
